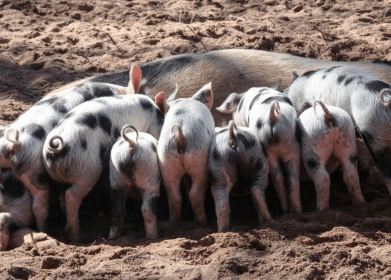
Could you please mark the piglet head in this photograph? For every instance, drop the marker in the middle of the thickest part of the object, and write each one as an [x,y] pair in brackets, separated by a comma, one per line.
[230,104]
[205,95]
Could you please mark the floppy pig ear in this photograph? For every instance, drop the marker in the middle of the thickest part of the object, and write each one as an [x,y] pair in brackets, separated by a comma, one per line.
[161,102]
[135,77]
[205,95]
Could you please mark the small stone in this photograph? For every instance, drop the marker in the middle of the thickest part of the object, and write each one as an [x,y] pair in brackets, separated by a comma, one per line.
[251,31]
[47,244]
[298,8]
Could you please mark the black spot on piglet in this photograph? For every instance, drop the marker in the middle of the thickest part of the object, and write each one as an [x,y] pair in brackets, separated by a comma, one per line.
[35,130]
[60,108]
[10,185]
[88,120]
[376,86]
[341,78]
[248,143]
[313,161]
[145,104]
[83,143]
[153,147]
[309,73]
[104,123]
[127,169]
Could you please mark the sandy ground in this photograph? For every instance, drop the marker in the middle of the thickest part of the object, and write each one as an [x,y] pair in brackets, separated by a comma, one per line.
[45,44]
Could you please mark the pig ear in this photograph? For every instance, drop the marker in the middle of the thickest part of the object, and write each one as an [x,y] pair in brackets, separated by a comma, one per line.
[174,94]
[161,102]
[135,77]
[230,104]
[276,85]
[295,76]
[205,95]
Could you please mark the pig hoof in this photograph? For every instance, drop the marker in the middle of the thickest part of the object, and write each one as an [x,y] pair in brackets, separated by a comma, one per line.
[265,220]
[358,201]
[223,229]
[298,211]
[202,222]
[114,234]
[151,236]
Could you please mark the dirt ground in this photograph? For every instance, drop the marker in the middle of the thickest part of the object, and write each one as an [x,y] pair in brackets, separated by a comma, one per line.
[46,44]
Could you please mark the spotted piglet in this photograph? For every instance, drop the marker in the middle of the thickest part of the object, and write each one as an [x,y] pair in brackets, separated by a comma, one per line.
[327,141]
[183,148]
[134,171]
[77,150]
[21,142]
[15,207]
[362,95]
[237,156]
[271,116]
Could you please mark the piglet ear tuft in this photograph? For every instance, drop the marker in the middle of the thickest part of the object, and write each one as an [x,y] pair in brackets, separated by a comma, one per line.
[205,95]
[135,76]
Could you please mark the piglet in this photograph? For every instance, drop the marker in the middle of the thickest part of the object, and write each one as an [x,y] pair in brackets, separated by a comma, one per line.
[366,99]
[271,116]
[21,142]
[183,148]
[77,150]
[237,156]
[134,171]
[328,141]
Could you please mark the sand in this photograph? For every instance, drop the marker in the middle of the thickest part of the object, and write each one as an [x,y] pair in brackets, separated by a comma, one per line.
[46,44]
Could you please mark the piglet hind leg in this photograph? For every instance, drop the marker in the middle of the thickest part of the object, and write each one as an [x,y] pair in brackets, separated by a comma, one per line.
[40,209]
[321,180]
[221,199]
[73,199]
[148,210]
[351,179]
[40,197]
[292,168]
[382,158]
[258,196]
[118,200]
[277,178]
[172,186]
[199,178]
